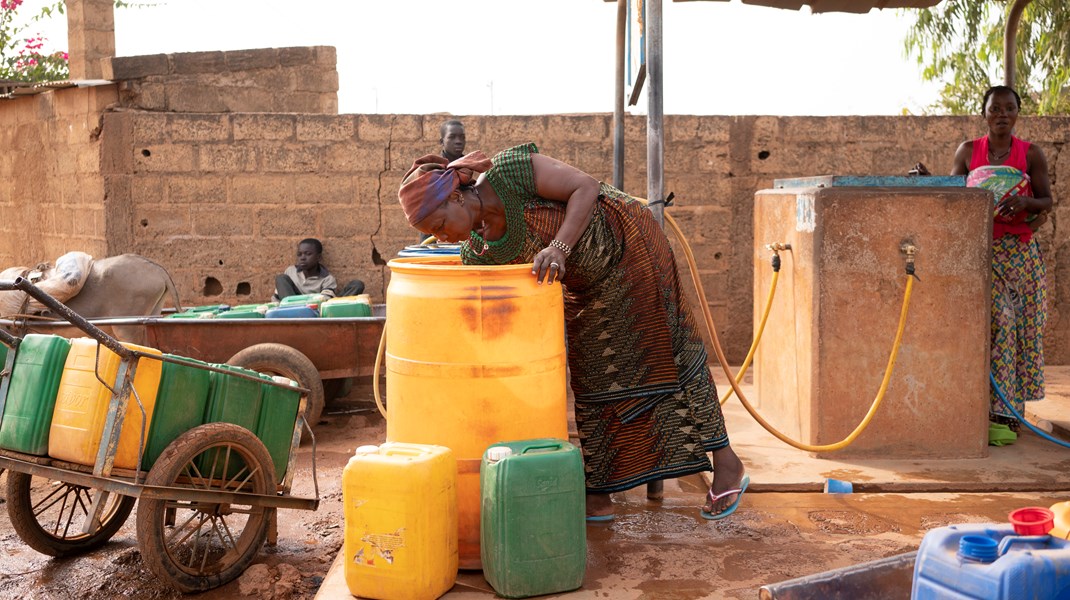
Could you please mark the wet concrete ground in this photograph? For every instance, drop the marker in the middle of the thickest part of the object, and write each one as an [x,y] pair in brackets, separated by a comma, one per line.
[786,527]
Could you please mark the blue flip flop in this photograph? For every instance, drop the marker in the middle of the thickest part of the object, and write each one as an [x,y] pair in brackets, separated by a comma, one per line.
[732,508]
[600,518]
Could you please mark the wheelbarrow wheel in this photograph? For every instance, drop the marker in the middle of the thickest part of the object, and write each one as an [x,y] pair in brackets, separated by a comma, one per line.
[49,515]
[280,359]
[198,545]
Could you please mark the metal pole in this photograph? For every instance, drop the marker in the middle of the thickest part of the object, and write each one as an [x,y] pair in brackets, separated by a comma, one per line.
[655,135]
[1010,44]
[618,99]
[655,140]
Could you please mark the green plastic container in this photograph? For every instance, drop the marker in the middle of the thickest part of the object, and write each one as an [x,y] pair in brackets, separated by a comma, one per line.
[31,395]
[232,400]
[208,308]
[192,315]
[240,314]
[261,305]
[275,427]
[303,299]
[533,532]
[345,308]
[180,405]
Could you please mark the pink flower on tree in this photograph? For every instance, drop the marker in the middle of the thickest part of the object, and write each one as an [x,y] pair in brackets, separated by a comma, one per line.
[10,4]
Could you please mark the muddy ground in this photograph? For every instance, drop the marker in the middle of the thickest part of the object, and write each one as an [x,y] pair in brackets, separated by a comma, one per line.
[294,568]
[653,550]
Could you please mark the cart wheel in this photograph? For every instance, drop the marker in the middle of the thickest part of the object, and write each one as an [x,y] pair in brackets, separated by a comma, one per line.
[49,515]
[198,545]
[280,359]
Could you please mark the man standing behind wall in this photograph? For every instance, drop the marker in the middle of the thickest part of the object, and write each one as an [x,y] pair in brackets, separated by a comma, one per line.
[451,135]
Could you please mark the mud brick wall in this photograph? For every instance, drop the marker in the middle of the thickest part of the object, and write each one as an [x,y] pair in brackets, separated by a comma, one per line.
[221,198]
[52,196]
[300,80]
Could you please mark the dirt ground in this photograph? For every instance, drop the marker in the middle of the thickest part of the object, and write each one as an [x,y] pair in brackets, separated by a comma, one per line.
[652,551]
[294,568]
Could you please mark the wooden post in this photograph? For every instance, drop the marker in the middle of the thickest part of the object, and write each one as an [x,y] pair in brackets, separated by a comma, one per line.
[90,36]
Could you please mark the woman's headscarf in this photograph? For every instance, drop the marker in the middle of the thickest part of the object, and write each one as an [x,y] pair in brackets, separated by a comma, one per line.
[432,180]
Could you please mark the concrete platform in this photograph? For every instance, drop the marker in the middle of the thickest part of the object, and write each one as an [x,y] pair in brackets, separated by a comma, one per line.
[786,527]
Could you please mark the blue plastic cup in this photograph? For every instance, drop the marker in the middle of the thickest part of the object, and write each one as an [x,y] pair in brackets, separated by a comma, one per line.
[835,486]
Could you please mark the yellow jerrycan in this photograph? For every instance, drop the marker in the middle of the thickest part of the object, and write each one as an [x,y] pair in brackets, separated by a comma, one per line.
[400,507]
[83,401]
[474,355]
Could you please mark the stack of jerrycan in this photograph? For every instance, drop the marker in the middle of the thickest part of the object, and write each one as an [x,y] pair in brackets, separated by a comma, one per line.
[991,562]
[400,503]
[304,306]
[34,382]
[82,403]
[245,311]
[533,528]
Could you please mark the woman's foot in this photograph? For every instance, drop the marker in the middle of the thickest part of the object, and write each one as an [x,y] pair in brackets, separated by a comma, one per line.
[727,475]
[599,507]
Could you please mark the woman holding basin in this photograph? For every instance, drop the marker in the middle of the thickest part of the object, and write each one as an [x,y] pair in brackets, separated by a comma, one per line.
[1017,173]
[646,405]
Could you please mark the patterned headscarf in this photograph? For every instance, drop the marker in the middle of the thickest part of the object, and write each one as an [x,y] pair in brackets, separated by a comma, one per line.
[432,180]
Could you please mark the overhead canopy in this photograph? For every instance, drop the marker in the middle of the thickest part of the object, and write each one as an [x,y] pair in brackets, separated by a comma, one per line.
[821,6]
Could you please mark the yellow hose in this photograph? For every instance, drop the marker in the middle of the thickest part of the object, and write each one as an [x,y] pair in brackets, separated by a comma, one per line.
[375,374]
[757,338]
[735,386]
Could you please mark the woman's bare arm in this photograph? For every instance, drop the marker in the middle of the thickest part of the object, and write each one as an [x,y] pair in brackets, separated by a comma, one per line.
[561,182]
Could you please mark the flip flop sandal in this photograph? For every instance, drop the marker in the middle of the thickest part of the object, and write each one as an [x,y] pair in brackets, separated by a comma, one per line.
[732,507]
[600,518]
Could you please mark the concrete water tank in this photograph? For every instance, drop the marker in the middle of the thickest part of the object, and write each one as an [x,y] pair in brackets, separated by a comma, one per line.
[834,318]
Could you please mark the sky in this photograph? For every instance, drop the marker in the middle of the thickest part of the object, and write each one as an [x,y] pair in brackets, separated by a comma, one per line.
[508,57]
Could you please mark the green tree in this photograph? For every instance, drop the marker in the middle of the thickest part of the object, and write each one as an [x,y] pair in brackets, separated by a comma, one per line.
[960,43]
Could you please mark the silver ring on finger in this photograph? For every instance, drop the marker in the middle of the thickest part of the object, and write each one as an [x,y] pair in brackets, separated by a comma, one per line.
[554,265]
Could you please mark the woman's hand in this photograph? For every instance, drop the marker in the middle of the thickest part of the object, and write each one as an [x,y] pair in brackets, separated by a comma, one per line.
[1012,205]
[549,265]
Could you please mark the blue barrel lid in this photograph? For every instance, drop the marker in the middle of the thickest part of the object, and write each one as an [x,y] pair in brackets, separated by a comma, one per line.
[431,250]
[899,181]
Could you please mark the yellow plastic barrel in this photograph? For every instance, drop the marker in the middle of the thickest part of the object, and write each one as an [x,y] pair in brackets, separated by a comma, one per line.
[82,404]
[474,356]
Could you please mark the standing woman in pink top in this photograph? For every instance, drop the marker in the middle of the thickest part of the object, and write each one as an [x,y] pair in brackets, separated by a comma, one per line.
[1017,173]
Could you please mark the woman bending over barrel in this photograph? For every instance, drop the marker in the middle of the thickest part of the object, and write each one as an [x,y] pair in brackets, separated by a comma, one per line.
[646,405]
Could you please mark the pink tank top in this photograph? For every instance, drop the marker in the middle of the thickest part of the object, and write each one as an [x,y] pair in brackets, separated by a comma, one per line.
[1017,159]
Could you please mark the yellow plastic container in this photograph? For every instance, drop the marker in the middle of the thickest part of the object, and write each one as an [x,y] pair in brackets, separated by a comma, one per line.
[1062,520]
[400,504]
[474,356]
[82,404]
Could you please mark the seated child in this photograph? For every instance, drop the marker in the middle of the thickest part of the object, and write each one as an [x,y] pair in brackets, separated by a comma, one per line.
[308,276]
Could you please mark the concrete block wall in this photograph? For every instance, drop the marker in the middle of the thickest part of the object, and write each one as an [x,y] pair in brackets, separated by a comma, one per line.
[300,80]
[221,198]
[52,197]
[224,198]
